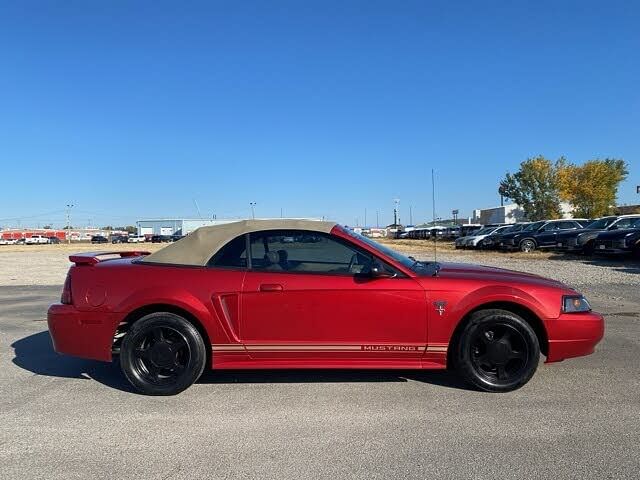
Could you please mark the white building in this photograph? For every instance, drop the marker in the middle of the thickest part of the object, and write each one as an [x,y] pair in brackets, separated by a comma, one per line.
[511,213]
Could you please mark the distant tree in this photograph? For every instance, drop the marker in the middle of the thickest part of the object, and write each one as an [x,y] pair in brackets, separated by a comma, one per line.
[68,227]
[108,227]
[130,229]
[535,187]
[47,227]
[592,188]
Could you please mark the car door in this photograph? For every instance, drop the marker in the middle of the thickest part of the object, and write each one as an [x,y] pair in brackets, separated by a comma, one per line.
[307,298]
[547,235]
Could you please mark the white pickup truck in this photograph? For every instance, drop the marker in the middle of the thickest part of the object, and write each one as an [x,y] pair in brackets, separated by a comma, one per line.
[35,240]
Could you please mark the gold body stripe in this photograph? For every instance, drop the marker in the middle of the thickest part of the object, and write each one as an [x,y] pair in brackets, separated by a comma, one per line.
[393,348]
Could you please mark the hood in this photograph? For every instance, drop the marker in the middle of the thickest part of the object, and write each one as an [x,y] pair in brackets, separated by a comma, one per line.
[615,234]
[579,231]
[494,274]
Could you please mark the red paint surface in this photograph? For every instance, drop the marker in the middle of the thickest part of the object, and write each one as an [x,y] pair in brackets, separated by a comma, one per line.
[312,320]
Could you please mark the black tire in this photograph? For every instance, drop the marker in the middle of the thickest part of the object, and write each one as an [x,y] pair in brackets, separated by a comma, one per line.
[527,245]
[497,351]
[162,354]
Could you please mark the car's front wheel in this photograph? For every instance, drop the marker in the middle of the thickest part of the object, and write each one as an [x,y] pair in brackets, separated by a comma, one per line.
[162,354]
[527,246]
[497,351]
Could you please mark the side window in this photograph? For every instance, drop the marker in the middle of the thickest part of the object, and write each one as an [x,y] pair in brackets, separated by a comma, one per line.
[299,251]
[568,225]
[625,222]
[233,254]
[549,227]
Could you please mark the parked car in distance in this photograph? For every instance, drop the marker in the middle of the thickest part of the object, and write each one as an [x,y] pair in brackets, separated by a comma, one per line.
[175,238]
[119,239]
[584,241]
[136,239]
[469,229]
[539,235]
[36,240]
[54,240]
[8,241]
[493,241]
[477,239]
[244,296]
[620,241]
[160,238]
[99,239]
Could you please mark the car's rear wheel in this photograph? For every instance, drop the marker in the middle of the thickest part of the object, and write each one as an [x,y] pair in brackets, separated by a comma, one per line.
[497,351]
[162,354]
[527,246]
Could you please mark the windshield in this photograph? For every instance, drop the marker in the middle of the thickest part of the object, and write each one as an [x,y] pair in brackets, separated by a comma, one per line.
[485,231]
[601,223]
[398,257]
[533,226]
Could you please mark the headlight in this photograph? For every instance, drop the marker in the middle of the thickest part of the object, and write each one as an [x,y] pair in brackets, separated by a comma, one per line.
[574,304]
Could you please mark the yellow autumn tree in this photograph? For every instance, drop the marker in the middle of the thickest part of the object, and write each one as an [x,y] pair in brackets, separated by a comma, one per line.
[592,187]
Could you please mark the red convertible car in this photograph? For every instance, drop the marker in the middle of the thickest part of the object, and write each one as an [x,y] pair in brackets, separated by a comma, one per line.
[265,294]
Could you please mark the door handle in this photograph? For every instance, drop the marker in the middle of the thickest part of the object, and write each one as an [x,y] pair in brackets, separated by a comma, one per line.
[271,287]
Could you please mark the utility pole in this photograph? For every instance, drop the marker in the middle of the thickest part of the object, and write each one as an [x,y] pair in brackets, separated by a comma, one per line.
[365,218]
[396,211]
[377,220]
[410,215]
[253,212]
[280,212]
[69,207]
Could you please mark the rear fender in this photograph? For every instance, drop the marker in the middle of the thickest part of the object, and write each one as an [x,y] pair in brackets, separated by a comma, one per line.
[178,298]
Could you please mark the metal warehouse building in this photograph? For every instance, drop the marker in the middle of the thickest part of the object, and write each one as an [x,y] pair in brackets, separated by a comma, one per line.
[174,226]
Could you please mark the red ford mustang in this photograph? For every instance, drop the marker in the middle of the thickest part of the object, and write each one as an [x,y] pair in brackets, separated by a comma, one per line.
[303,294]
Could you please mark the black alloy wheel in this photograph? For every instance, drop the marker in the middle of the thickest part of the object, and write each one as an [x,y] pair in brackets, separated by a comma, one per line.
[162,354]
[498,351]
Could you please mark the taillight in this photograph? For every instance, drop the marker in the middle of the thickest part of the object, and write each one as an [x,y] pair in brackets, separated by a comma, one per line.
[66,291]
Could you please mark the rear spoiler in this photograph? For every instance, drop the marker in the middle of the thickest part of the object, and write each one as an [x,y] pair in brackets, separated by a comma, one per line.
[91,258]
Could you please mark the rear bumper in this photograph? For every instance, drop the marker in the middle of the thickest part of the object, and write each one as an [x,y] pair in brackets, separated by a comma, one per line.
[81,334]
[574,335]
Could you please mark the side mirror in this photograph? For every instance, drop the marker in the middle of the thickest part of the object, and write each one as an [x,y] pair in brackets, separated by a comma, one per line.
[377,270]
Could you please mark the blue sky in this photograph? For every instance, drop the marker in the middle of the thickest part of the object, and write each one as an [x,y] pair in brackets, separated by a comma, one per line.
[136,109]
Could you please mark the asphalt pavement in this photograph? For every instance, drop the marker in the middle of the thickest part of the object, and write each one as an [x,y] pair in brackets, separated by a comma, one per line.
[62,417]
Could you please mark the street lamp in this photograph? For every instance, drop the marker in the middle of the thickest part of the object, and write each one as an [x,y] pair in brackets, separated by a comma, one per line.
[253,212]
[69,207]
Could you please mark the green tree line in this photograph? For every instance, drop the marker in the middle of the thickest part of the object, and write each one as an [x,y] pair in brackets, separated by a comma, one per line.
[540,185]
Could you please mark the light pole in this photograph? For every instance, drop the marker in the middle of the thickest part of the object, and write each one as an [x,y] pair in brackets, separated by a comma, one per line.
[253,212]
[69,207]
[377,220]
[396,211]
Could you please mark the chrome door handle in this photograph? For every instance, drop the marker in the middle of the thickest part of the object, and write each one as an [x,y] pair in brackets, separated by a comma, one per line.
[271,287]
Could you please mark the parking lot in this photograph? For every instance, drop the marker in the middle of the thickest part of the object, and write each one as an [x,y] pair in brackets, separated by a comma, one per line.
[63,417]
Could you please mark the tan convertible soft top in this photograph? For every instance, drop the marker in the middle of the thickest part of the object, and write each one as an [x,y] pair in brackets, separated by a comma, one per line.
[200,245]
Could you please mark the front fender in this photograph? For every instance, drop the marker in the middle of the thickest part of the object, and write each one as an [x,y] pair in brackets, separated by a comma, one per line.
[493,294]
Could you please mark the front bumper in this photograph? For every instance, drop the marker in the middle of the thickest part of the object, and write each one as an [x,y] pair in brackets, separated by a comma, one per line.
[574,335]
[81,334]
